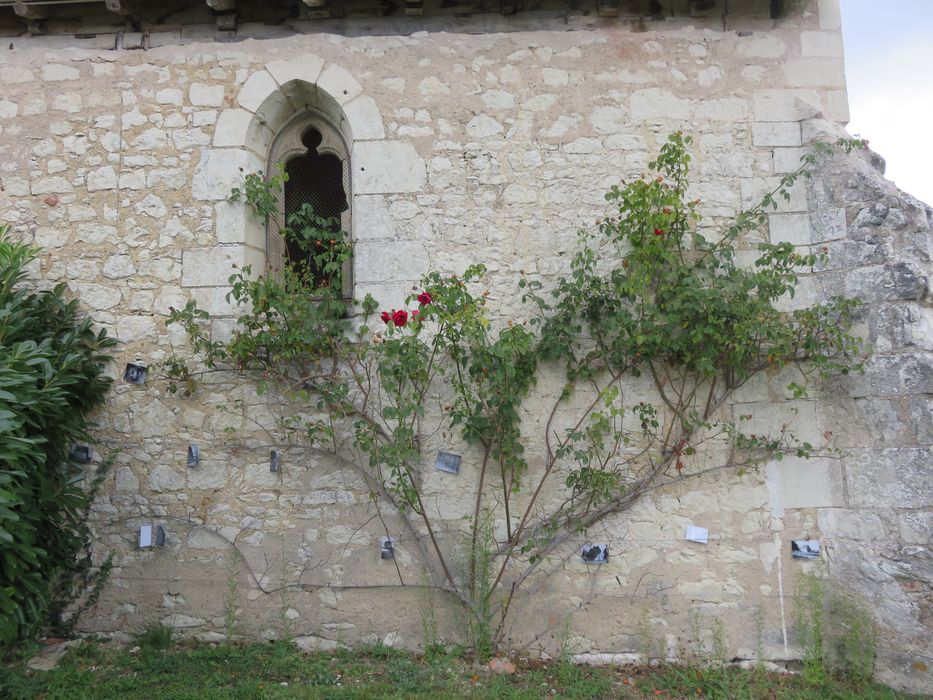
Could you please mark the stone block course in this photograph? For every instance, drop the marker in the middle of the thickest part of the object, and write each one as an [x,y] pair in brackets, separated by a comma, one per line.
[493,147]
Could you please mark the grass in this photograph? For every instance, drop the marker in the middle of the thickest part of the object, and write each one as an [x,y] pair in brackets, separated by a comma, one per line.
[155,635]
[277,670]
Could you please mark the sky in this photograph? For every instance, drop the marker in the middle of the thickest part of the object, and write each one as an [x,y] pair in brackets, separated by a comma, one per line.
[889,70]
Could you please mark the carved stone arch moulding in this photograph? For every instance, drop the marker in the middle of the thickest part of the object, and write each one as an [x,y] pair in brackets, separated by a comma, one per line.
[243,138]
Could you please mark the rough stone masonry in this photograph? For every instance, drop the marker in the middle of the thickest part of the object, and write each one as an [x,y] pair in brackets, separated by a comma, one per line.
[474,139]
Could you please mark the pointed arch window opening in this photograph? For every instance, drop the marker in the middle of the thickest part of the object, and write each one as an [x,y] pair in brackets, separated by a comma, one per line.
[316,159]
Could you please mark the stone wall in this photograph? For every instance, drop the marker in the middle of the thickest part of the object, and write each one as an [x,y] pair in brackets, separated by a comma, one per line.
[491,145]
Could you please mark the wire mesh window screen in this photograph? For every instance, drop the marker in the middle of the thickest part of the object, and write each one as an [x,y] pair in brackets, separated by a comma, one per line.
[317,163]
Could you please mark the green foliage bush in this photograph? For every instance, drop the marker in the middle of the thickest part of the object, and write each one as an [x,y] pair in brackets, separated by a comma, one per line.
[51,377]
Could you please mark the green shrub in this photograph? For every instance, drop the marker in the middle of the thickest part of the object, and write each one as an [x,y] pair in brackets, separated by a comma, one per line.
[51,377]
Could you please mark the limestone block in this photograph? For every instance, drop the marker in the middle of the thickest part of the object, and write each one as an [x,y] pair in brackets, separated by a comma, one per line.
[230,221]
[656,103]
[201,95]
[898,477]
[433,87]
[51,185]
[95,234]
[790,228]
[894,375]
[371,219]
[384,167]
[785,105]
[214,300]
[125,480]
[204,118]
[309,643]
[270,117]
[179,621]
[8,109]
[787,160]
[850,524]
[400,261]
[364,118]
[753,189]
[497,100]
[203,538]
[16,186]
[211,267]
[15,74]
[101,179]
[607,120]
[483,126]
[134,329]
[210,473]
[55,72]
[169,178]
[339,84]
[151,206]
[724,109]
[540,103]
[760,45]
[119,266]
[188,138]
[164,478]
[815,72]
[232,127]
[798,418]
[51,236]
[555,77]
[255,91]
[519,194]
[836,106]
[822,44]
[219,170]
[893,280]
[795,482]
[830,18]
[164,269]
[170,96]
[307,69]
[150,140]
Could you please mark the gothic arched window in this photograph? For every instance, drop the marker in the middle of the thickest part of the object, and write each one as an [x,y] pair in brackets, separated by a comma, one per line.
[317,194]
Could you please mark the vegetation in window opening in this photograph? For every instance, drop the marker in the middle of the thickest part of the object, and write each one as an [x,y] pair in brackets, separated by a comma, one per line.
[647,295]
[317,248]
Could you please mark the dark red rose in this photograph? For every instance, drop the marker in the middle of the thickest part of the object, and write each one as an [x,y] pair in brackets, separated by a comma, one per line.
[424,298]
[386,317]
[400,317]
[658,232]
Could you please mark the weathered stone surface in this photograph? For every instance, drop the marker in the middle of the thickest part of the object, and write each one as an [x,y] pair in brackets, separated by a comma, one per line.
[163,478]
[219,171]
[202,95]
[501,149]
[897,477]
[387,167]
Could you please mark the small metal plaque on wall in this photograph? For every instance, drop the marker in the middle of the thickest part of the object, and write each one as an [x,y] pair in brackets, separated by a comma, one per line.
[448,462]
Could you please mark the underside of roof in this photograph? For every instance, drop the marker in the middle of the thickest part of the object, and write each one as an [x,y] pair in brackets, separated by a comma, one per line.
[79,17]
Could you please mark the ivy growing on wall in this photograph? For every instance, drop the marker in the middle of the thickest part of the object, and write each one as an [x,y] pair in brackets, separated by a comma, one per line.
[650,293]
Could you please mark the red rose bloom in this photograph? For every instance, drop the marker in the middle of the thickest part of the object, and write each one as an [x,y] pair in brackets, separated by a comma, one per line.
[424,298]
[386,317]
[658,232]
[400,317]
